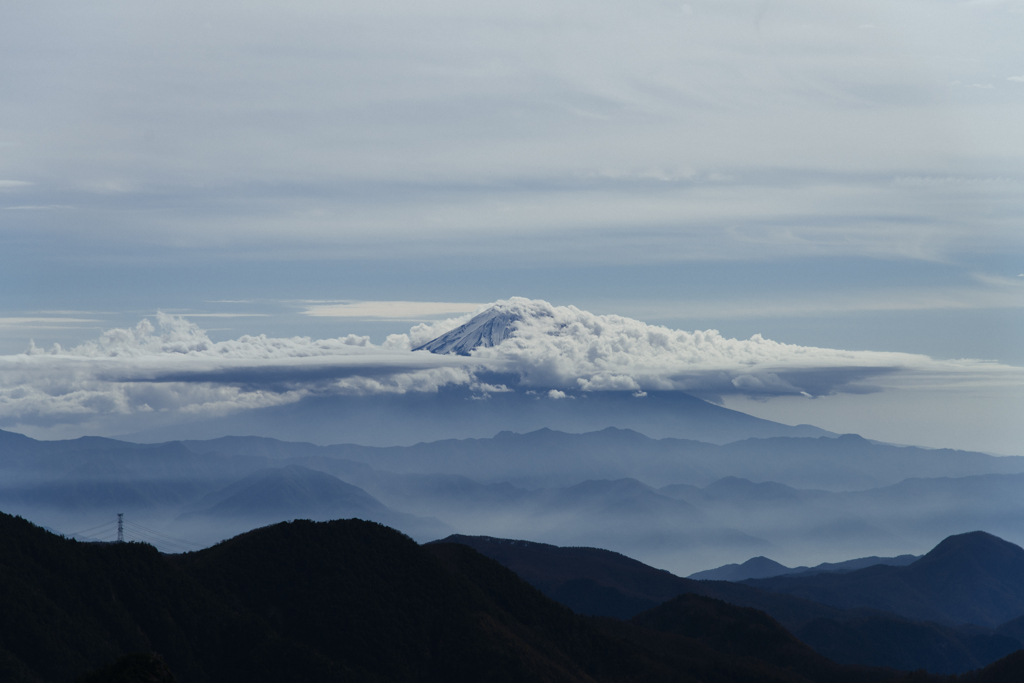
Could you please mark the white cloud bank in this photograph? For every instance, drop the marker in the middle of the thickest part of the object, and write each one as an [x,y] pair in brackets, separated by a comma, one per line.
[567,348]
[174,366]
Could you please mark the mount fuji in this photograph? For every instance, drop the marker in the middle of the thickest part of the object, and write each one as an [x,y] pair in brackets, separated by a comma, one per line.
[489,328]
[564,369]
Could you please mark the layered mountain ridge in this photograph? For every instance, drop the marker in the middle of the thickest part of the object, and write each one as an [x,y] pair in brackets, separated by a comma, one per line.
[974,578]
[871,628]
[679,504]
[353,601]
[764,568]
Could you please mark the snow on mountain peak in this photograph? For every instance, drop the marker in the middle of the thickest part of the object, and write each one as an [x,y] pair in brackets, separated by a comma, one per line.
[489,327]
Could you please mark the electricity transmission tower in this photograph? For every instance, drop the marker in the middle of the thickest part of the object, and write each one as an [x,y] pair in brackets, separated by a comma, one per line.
[120,527]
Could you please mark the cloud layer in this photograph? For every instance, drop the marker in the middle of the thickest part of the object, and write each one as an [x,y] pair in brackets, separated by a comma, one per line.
[174,368]
[567,348]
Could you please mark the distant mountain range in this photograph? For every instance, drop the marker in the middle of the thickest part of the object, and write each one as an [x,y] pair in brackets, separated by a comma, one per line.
[764,568]
[296,492]
[683,505]
[546,457]
[397,419]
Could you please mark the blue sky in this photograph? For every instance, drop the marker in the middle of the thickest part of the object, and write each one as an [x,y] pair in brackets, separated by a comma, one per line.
[839,177]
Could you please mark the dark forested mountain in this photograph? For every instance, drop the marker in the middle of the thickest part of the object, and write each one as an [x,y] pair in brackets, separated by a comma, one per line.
[595,581]
[972,578]
[138,667]
[737,631]
[589,580]
[352,601]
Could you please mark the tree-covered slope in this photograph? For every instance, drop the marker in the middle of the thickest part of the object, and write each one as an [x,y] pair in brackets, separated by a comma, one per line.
[975,578]
[334,601]
[601,582]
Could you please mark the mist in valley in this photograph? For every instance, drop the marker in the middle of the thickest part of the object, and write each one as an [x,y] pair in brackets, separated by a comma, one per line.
[677,504]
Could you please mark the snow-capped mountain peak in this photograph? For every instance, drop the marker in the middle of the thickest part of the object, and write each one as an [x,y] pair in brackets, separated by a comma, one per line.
[488,328]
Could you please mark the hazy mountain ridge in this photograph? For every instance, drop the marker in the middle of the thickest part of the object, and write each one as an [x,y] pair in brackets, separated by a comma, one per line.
[848,462]
[410,418]
[764,568]
[544,485]
[296,492]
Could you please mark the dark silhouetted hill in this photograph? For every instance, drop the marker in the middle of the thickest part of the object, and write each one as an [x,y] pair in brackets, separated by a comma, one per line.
[905,644]
[589,580]
[336,601]
[601,582]
[133,668]
[736,631]
[972,578]
[1007,670]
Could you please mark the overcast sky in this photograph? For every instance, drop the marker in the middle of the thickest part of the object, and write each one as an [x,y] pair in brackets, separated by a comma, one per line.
[838,176]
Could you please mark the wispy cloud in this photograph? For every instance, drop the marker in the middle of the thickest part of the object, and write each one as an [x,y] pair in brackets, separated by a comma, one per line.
[439,128]
[1003,293]
[74,312]
[227,315]
[31,321]
[39,207]
[395,310]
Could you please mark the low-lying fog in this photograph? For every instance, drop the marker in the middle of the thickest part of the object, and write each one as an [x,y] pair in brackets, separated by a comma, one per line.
[676,504]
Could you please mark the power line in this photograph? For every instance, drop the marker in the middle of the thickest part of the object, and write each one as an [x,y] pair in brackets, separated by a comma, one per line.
[98,526]
[138,527]
[156,540]
[160,539]
[102,532]
[161,544]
